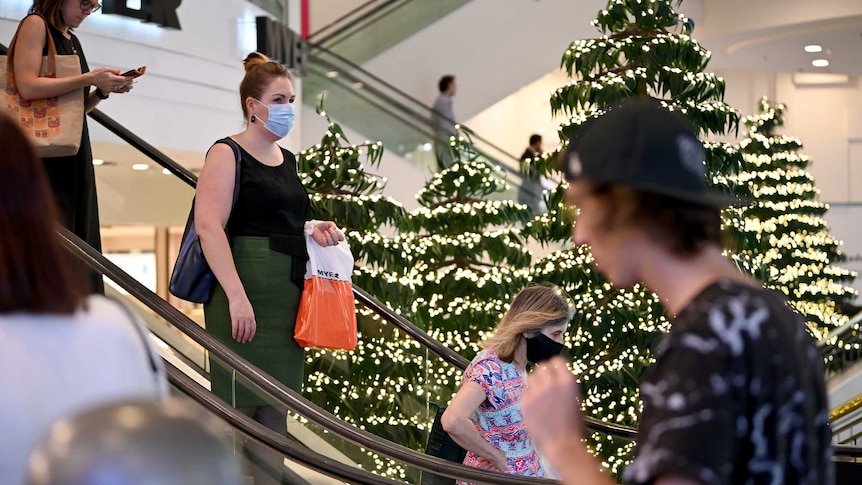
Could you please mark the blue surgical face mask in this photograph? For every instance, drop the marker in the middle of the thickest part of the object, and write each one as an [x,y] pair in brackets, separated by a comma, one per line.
[280,120]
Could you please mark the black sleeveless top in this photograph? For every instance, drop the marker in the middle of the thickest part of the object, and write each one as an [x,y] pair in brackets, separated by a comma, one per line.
[272,202]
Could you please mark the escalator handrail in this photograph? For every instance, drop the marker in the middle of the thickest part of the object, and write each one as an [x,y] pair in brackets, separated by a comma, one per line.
[147,149]
[289,448]
[840,331]
[351,18]
[404,325]
[283,394]
[355,68]
[422,124]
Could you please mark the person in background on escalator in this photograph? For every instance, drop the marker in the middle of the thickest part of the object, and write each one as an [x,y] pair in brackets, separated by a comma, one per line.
[443,120]
[260,269]
[737,393]
[61,351]
[484,417]
[530,191]
[72,178]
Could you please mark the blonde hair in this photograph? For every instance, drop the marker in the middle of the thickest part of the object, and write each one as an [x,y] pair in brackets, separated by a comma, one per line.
[259,72]
[533,308]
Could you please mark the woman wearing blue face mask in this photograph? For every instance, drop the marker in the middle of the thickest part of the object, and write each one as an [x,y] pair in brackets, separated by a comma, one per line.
[260,268]
[484,417]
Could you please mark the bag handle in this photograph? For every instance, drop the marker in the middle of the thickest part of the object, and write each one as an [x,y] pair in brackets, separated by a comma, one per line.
[49,39]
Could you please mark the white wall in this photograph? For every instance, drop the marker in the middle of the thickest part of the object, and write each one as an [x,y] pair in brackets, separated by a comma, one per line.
[509,122]
[827,118]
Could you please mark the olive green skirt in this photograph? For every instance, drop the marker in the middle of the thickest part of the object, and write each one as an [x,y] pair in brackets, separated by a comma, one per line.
[266,277]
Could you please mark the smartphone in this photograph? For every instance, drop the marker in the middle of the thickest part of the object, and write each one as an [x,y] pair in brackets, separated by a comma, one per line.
[133,73]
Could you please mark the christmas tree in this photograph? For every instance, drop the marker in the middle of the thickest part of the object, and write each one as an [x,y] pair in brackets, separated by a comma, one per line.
[786,241]
[467,255]
[646,50]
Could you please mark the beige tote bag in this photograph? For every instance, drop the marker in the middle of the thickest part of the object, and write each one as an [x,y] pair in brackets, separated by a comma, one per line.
[53,125]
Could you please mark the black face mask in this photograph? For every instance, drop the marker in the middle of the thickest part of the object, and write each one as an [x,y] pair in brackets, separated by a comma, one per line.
[541,348]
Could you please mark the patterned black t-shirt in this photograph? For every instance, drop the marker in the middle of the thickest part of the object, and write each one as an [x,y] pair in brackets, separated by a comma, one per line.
[736,396]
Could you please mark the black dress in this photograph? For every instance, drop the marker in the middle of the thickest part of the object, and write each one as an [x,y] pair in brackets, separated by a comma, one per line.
[72,178]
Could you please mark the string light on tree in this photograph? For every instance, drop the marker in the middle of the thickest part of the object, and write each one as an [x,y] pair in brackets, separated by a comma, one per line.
[645,49]
[785,241]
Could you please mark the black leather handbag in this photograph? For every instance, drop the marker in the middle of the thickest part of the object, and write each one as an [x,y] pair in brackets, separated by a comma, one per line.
[192,279]
[441,445]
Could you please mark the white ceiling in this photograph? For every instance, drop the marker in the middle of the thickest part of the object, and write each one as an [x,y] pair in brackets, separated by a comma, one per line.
[770,35]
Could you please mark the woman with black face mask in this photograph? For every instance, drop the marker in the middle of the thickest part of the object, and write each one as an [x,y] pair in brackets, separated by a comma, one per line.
[484,417]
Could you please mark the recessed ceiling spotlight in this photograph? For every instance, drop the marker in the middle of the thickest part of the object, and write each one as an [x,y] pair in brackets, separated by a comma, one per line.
[820,62]
[98,161]
[140,166]
[166,171]
[813,48]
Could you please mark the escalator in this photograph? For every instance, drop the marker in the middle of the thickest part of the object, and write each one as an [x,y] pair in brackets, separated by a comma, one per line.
[377,110]
[193,379]
[377,25]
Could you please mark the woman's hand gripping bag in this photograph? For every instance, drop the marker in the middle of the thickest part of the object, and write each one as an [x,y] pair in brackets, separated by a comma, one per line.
[327,312]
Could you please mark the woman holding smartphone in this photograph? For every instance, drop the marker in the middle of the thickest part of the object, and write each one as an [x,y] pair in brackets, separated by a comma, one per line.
[72,178]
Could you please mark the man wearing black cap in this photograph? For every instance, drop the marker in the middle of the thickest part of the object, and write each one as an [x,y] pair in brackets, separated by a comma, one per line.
[736,395]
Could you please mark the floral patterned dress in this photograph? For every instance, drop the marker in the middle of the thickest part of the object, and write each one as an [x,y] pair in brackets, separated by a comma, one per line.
[499,419]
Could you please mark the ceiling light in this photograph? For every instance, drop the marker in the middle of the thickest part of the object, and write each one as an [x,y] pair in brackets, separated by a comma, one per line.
[332,74]
[820,62]
[166,171]
[813,48]
[140,166]
[98,161]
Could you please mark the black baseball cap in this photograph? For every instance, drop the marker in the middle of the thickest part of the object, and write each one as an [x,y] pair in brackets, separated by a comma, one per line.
[643,145]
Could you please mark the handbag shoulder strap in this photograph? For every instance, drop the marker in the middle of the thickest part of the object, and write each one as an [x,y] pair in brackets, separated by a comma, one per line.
[238,157]
[49,40]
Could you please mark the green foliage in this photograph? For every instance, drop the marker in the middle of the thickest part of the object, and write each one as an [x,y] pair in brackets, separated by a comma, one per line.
[467,254]
[646,51]
[783,239]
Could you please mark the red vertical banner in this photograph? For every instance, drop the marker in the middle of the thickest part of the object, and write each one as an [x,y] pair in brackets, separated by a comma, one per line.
[304,13]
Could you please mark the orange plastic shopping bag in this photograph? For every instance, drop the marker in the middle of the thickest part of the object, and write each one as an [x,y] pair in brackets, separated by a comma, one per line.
[327,312]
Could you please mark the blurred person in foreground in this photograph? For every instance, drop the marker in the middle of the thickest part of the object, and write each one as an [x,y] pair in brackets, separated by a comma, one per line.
[136,442]
[60,350]
[485,416]
[737,394]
